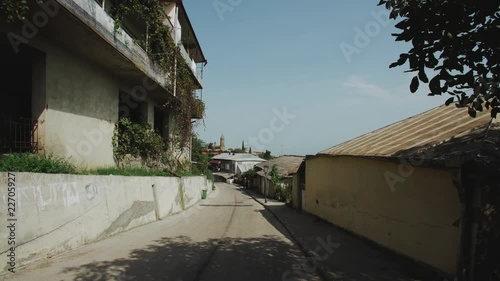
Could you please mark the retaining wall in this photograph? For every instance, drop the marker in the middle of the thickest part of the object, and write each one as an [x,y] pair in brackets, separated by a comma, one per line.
[56,213]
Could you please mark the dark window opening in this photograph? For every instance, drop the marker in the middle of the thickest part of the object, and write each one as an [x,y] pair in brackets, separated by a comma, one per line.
[159,122]
[18,129]
[135,111]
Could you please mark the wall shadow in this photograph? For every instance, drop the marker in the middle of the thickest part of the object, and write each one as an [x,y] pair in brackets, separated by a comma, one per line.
[356,258]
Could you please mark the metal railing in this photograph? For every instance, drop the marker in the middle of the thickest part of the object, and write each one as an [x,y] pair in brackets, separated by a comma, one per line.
[191,63]
[18,134]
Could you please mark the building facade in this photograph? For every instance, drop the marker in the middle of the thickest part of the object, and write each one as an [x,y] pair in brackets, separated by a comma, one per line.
[414,187]
[69,76]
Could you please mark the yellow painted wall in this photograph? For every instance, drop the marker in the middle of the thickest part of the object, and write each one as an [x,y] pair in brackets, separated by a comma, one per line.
[295,191]
[415,218]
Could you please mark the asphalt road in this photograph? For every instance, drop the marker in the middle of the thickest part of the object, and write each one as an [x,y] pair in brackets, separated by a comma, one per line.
[229,236]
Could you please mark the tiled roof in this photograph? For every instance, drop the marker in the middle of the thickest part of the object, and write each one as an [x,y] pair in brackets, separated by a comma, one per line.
[286,165]
[442,127]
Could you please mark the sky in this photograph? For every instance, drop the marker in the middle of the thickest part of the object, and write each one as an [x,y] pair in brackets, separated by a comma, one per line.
[297,77]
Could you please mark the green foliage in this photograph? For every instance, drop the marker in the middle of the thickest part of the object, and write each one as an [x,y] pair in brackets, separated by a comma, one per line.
[279,188]
[137,140]
[458,40]
[33,163]
[280,192]
[266,155]
[14,10]
[250,174]
[198,108]
[136,172]
[163,51]
[274,175]
[200,167]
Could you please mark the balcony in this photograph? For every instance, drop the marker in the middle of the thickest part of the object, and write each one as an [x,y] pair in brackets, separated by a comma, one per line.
[199,109]
[197,69]
[135,62]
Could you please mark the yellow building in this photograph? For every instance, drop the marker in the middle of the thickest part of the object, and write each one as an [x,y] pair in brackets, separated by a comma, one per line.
[404,186]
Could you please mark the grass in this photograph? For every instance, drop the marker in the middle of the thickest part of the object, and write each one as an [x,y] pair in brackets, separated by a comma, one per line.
[35,164]
[135,172]
[48,164]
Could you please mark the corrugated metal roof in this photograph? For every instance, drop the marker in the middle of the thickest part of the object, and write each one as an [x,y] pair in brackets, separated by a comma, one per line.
[238,157]
[436,126]
[286,165]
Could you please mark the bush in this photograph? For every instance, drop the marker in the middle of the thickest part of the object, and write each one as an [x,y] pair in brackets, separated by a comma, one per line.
[137,140]
[33,163]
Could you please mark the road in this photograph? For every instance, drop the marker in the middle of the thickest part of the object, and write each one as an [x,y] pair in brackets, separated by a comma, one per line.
[229,236]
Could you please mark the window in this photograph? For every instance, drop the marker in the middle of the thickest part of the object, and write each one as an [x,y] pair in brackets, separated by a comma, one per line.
[161,122]
[132,109]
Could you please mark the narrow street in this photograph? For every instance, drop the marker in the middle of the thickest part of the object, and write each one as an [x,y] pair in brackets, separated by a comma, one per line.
[229,236]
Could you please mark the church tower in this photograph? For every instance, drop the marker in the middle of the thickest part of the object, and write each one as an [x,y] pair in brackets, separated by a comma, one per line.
[222,143]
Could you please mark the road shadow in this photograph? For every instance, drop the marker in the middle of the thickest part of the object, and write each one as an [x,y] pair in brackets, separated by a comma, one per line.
[181,258]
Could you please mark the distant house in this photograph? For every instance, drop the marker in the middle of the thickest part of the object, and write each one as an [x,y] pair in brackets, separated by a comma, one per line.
[287,168]
[416,186]
[234,164]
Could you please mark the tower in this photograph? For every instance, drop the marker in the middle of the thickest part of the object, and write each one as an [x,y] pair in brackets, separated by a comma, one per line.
[222,143]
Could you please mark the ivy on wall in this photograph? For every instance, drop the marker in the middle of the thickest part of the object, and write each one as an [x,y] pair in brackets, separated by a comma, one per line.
[14,10]
[159,46]
[138,141]
[162,50]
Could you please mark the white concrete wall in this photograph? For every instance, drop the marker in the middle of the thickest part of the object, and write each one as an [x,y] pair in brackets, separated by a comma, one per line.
[168,195]
[56,213]
[82,108]
[193,187]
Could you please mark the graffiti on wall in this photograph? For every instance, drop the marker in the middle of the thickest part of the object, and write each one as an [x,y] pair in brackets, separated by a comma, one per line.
[55,194]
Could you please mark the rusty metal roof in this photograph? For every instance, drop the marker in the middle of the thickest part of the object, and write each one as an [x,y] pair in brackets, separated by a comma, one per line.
[287,165]
[444,124]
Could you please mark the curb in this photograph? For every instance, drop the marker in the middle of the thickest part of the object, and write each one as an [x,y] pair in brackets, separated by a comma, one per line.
[307,252]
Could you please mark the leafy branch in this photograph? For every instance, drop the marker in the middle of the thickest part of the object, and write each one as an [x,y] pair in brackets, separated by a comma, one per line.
[458,40]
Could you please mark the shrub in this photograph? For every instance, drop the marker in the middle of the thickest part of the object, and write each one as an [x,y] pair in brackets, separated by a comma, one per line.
[137,140]
[33,163]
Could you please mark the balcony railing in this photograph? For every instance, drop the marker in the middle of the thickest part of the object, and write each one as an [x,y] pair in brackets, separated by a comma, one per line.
[19,135]
[191,63]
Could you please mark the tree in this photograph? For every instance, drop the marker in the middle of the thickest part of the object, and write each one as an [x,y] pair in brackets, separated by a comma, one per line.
[197,146]
[266,155]
[457,39]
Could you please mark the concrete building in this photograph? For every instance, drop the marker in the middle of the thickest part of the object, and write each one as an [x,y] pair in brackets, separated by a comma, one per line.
[68,76]
[287,167]
[229,165]
[413,186]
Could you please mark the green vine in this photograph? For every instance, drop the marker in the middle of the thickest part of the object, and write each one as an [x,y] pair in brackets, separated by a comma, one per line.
[161,48]
[279,189]
[15,10]
[138,141]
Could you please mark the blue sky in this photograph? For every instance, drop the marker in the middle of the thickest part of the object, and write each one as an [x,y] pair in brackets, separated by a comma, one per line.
[266,56]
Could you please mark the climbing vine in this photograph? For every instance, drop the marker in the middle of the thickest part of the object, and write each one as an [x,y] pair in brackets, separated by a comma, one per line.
[161,48]
[139,141]
[14,10]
